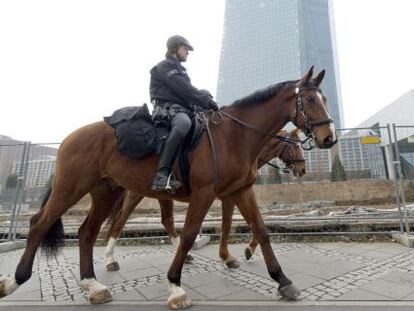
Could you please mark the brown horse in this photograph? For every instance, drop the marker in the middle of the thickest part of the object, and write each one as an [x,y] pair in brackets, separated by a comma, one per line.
[89,162]
[290,153]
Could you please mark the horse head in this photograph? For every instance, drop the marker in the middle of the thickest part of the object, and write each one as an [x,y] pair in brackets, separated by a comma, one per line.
[308,110]
[292,154]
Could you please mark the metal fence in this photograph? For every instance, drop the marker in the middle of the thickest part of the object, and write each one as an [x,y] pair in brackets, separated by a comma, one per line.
[26,171]
[372,197]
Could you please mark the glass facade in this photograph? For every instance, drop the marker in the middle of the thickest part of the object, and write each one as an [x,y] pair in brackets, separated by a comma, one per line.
[318,160]
[38,171]
[365,160]
[270,41]
[406,148]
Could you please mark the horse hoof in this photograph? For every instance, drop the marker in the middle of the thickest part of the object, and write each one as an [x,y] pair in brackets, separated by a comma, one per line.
[232,263]
[248,253]
[113,266]
[7,286]
[290,292]
[189,258]
[2,289]
[179,302]
[95,291]
[101,296]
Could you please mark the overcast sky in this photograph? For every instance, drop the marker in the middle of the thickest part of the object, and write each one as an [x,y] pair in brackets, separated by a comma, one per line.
[64,64]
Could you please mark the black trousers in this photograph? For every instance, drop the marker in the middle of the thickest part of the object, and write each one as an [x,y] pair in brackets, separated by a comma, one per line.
[180,126]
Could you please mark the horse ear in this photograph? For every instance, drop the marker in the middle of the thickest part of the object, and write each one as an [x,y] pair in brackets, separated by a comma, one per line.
[307,77]
[319,77]
[294,132]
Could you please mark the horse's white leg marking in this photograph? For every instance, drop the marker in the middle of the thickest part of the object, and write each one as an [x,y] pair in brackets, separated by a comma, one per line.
[178,298]
[109,251]
[175,242]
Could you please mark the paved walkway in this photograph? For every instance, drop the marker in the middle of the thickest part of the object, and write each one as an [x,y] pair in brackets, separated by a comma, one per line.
[326,273]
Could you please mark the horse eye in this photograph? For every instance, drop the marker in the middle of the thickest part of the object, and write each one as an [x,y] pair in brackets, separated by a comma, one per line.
[311,99]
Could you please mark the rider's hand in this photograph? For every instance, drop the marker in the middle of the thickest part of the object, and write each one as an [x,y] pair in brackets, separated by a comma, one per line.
[213,105]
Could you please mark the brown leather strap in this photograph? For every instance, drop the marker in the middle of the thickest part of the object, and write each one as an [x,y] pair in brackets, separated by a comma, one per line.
[213,149]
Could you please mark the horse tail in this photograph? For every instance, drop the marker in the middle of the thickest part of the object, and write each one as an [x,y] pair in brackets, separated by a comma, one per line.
[115,212]
[55,236]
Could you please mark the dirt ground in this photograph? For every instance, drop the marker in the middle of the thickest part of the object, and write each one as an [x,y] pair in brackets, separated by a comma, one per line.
[372,193]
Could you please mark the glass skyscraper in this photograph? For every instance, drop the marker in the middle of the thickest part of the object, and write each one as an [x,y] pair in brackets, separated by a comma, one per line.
[270,41]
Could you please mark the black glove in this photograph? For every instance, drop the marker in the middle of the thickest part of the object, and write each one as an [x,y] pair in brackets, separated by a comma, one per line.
[213,105]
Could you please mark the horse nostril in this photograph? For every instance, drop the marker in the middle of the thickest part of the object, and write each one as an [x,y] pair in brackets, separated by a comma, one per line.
[328,141]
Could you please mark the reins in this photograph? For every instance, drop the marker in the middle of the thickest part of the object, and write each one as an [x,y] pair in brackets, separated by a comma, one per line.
[245,124]
[206,122]
[305,144]
[269,163]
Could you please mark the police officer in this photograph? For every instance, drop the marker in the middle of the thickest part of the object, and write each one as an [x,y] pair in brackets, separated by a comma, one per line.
[174,100]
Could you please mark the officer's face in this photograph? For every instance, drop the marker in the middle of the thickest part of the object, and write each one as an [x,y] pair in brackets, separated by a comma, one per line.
[182,53]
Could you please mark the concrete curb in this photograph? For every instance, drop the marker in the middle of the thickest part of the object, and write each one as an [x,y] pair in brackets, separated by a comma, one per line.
[404,239]
[12,246]
[201,241]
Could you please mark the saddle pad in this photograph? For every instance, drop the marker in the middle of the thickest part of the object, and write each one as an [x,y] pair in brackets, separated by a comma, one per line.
[134,130]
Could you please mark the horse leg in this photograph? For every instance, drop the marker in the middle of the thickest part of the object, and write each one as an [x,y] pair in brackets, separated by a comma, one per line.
[131,201]
[103,201]
[199,204]
[167,220]
[246,201]
[249,251]
[227,205]
[46,227]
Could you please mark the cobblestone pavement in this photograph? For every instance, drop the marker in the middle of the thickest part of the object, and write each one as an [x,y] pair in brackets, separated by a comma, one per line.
[323,272]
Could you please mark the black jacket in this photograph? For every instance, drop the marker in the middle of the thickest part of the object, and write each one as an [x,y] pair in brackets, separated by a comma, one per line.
[170,83]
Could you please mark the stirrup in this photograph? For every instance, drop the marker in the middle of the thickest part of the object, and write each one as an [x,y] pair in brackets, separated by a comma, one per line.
[168,185]
[172,184]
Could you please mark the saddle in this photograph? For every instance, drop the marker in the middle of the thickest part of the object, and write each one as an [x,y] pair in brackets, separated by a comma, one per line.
[138,136]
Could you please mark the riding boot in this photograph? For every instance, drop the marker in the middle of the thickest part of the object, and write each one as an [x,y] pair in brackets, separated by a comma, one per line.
[165,180]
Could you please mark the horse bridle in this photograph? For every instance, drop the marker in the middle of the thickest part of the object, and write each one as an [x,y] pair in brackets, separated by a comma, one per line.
[308,125]
[291,160]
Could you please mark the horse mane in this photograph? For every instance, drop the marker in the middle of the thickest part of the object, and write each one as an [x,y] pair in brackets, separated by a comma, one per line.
[262,95]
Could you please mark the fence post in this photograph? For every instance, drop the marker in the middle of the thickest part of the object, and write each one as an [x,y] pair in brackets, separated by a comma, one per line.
[22,190]
[399,175]
[397,190]
[17,197]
